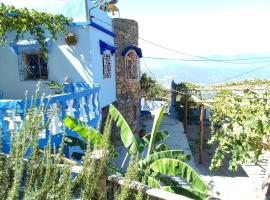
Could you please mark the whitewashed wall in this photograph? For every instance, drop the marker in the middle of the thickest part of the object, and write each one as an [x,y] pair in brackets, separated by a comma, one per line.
[108,86]
[82,62]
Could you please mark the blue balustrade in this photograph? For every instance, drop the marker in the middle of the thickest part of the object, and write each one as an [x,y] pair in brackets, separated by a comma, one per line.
[79,100]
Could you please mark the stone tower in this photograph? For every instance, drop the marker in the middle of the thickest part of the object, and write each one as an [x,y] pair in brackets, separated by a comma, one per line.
[127,66]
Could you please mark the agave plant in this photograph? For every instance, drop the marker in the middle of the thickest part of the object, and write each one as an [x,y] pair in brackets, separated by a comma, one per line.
[161,164]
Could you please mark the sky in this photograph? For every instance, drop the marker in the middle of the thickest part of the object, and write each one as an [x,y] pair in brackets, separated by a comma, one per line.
[216,29]
[203,27]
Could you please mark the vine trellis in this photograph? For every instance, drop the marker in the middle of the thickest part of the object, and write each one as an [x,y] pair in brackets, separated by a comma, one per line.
[240,124]
[22,21]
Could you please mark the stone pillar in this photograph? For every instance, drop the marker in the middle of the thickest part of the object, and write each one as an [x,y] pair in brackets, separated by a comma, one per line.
[128,91]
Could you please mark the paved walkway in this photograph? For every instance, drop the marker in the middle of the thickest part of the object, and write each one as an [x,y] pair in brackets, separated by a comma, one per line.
[224,188]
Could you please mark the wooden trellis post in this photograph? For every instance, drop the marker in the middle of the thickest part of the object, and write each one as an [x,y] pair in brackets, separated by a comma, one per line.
[201,133]
[185,114]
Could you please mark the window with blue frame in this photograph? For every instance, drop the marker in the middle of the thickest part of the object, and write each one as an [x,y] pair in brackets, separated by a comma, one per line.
[107,52]
[35,67]
[31,65]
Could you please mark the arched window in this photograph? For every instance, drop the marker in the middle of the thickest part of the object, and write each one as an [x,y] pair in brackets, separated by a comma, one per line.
[131,66]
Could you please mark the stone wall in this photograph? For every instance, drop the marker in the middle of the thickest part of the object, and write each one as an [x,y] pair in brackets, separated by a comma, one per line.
[127,92]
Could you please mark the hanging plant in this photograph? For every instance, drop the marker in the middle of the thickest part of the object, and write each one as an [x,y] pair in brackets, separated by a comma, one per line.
[71,39]
[23,21]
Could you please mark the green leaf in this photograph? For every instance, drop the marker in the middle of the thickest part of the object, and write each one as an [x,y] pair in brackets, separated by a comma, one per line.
[155,128]
[127,137]
[160,135]
[153,182]
[175,167]
[175,154]
[72,141]
[161,147]
[83,130]
[187,192]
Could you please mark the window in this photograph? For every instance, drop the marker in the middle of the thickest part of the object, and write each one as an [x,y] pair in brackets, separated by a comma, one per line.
[31,65]
[131,65]
[107,65]
[34,67]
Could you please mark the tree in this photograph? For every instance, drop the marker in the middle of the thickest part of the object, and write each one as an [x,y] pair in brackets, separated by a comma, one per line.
[152,89]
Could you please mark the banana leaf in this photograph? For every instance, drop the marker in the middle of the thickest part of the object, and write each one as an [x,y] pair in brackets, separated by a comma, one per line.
[187,192]
[153,182]
[178,168]
[160,135]
[72,141]
[161,147]
[175,154]
[128,139]
[155,128]
[83,130]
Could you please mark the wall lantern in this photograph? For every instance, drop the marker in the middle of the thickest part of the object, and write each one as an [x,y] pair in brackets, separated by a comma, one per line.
[71,39]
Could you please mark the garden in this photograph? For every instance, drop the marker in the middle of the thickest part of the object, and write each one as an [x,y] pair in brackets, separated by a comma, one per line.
[30,172]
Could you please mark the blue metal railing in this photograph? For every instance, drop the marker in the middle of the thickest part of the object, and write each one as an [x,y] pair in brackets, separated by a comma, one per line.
[79,100]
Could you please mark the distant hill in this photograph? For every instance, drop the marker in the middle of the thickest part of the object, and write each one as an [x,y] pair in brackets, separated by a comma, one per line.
[206,72]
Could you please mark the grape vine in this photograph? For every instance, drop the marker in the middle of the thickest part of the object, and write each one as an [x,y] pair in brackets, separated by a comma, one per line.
[240,124]
[23,21]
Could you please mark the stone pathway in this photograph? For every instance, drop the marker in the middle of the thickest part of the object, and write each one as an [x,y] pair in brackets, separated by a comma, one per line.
[224,187]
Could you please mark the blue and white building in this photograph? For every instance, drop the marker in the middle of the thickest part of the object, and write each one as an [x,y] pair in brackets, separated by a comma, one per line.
[90,60]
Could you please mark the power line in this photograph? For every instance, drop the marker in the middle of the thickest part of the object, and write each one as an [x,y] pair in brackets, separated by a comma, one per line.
[201,60]
[149,69]
[192,55]
[242,74]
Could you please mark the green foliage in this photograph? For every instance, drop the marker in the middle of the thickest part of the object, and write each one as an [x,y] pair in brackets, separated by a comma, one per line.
[38,177]
[160,135]
[168,162]
[155,128]
[58,89]
[147,170]
[94,169]
[186,87]
[176,154]
[83,129]
[129,140]
[24,21]
[241,126]
[124,192]
[245,83]
[176,167]
[151,89]
[45,174]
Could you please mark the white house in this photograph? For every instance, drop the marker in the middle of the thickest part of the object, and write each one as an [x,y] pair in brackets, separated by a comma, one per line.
[91,59]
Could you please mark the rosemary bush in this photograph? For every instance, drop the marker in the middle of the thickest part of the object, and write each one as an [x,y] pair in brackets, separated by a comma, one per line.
[124,192]
[33,174]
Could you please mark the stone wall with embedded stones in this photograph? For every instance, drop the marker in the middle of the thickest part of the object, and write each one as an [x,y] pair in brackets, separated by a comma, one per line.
[127,92]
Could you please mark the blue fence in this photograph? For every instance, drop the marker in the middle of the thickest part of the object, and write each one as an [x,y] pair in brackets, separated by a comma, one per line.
[79,100]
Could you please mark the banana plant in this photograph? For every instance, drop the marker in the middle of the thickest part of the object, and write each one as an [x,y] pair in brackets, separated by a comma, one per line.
[88,133]
[161,164]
